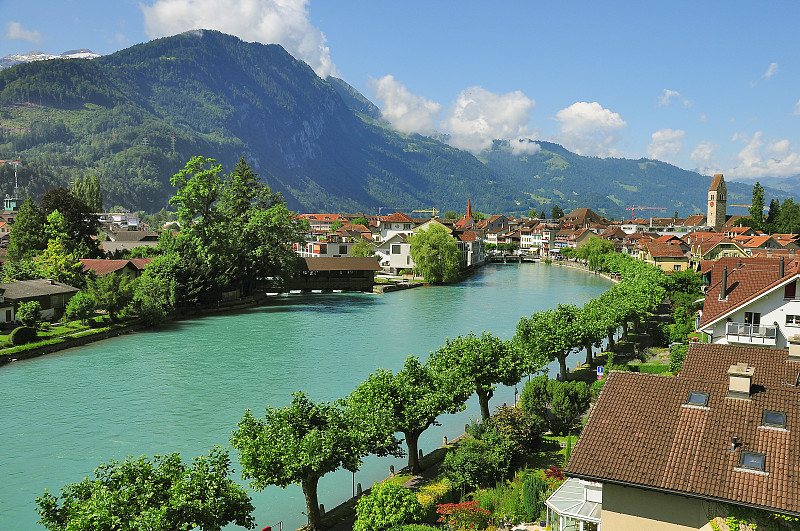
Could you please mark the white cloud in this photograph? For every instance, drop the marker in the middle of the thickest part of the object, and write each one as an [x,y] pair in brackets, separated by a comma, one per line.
[589,129]
[781,160]
[666,144]
[796,111]
[406,112]
[15,32]
[668,95]
[704,158]
[478,116]
[771,71]
[283,22]
[523,146]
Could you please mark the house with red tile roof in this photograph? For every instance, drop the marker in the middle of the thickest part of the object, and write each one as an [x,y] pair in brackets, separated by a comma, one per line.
[672,452]
[665,256]
[129,268]
[713,248]
[392,224]
[752,301]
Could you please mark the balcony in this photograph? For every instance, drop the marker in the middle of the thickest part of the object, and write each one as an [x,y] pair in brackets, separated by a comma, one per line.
[752,334]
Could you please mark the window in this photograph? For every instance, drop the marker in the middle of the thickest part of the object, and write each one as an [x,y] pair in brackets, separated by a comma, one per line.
[395,249]
[753,318]
[697,398]
[774,419]
[793,320]
[790,290]
[752,460]
[342,249]
[676,267]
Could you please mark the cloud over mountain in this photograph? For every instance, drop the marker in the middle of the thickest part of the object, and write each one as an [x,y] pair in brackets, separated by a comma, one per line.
[407,112]
[589,129]
[283,22]
[666,144]
[15,32]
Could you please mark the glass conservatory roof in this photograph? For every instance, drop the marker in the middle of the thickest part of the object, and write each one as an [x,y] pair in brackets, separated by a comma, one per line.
[570,500]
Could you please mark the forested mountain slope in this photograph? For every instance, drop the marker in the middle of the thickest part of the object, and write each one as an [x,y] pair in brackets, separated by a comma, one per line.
[133,118]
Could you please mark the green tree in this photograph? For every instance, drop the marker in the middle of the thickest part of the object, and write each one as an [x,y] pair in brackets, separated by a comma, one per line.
[772,215]
[757,206]
[23,269]
[569,401]
[112,292]
[474,464]
[364,249]
[199,186]
[28,236]
[159,493]
[81,221]
[388,504]
[336,225]
[451,214]
[435,255]
[481,363]
[550,335]
[410,400]
[478,216]
[594,250]
[556,212]
[57,263]
[29,313]
[87,189]
[360,221]
[80,306]
[301,443]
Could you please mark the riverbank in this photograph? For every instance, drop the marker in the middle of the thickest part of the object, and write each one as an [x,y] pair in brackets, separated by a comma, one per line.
[578,265]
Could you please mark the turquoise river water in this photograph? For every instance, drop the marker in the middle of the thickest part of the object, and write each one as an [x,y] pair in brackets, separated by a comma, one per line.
[184,386]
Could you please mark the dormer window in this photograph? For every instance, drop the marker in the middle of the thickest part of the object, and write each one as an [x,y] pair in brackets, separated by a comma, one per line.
[697,398]
[774,419]
[753,461]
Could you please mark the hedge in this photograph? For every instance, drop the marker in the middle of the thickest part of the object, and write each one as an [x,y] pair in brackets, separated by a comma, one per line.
[23,335]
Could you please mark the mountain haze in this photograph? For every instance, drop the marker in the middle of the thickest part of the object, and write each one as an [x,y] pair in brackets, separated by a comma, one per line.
[319,142]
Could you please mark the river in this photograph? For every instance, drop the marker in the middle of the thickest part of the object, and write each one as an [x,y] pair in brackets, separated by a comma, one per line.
[184,386]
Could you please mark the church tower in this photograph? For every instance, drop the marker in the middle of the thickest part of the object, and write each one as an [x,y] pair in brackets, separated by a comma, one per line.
[717,201]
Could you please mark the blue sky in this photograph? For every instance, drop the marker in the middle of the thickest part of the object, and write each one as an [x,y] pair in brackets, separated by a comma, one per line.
[713,86]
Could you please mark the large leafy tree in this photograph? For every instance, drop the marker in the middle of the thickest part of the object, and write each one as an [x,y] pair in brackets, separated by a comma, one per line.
[28,236]
[301,443]
[410,400]
[82,224]
[112,292]
[435,255]
[58,263]
[159,493]
[87,189]
[481,363]
[550,335]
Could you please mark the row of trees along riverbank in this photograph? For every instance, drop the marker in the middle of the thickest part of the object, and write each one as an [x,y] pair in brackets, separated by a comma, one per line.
[300,443]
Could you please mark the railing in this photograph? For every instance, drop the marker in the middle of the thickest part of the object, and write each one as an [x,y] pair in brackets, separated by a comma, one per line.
[753,334]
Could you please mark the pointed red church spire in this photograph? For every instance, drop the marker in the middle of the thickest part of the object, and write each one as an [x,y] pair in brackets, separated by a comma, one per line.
[469,208]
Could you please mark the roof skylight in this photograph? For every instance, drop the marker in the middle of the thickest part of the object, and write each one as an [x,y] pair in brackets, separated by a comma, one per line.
[697,398]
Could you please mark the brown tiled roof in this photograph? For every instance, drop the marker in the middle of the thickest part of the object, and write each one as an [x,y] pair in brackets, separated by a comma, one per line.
[103,267]
[26,289]
[715,182]
[641,433]
[745,283]
[398,217]
[468,236]
[141,263]
[695,220]
[344,263]
[664,250]
[133,236]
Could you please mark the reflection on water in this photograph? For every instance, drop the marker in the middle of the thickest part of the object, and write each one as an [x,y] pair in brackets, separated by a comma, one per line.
[184,386]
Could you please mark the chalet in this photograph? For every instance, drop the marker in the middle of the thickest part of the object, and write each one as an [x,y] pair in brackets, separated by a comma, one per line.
[394,224]
[753,301]
[673,452]
[52,297]
[130,268]
[394,253]
[714,248]
[580,218]
[665,256]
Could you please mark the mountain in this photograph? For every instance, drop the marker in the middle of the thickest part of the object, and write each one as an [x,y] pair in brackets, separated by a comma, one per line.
[135,117]
[17,58]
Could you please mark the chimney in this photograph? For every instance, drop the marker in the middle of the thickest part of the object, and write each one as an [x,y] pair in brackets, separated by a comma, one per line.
[723,295]
[794,347]
[781,269]
[740,376]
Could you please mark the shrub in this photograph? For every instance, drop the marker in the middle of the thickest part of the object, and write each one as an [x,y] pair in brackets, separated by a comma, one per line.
[474,464]
[533,490]
[597,386]
[29,313]
[465,515]
[433,494]
[23,335]
[521,430]
[677,353]
[659,334]
[387,505]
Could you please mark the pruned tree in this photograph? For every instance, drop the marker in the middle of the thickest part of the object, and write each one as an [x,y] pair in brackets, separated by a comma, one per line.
[301,443]
[159,493]
[482,363]
[410,400]
[435,255]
